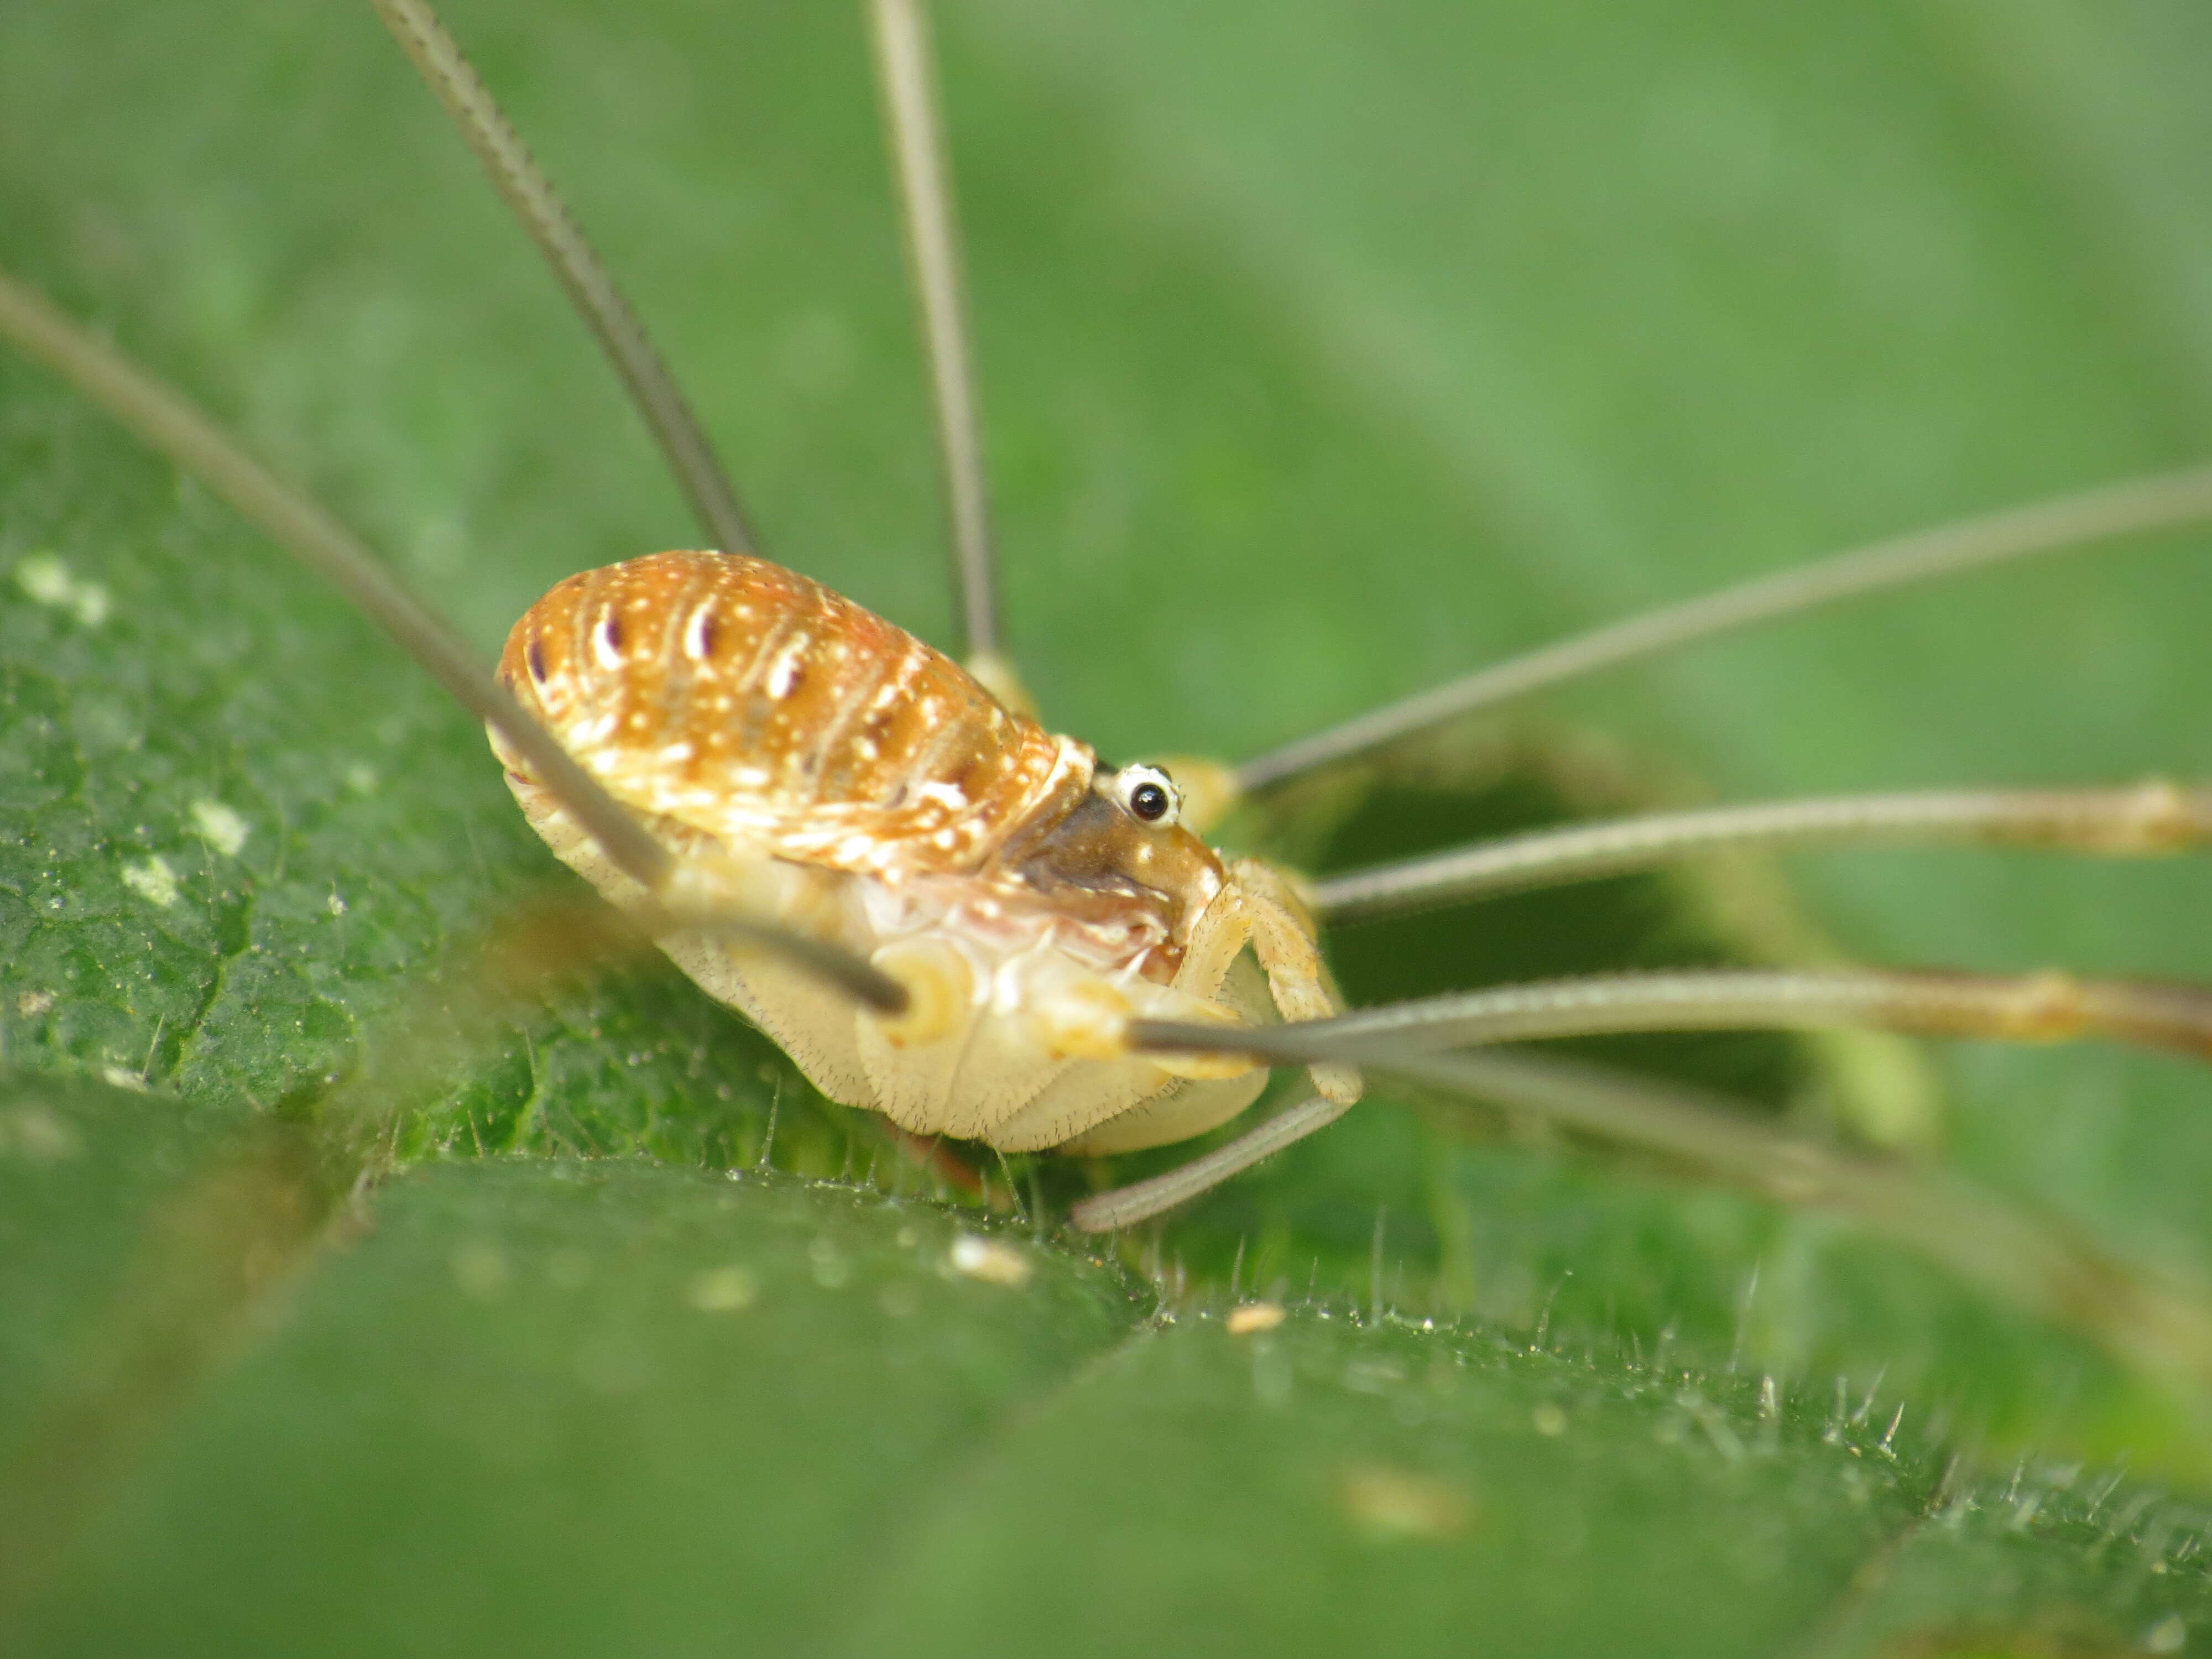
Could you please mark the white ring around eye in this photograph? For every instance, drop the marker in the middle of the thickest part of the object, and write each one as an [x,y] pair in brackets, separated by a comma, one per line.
[1131,779]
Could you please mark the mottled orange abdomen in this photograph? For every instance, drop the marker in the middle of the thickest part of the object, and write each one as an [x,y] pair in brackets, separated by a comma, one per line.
[744,701]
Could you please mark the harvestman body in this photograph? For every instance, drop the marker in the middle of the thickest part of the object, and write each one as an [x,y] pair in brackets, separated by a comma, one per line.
[950,915]
[818,766]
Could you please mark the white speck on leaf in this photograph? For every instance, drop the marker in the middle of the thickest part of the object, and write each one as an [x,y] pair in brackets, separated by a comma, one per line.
[45,579]
[1389,1504]
[153,881]
[899,1301]
[989,1261]
[481,1270]
[220,826]
[37,1135]
[1253,1317]
[723,1289]
[122,1076]
[832,1271]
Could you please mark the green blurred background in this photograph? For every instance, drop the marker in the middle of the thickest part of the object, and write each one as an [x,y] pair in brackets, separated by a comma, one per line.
[1327,351]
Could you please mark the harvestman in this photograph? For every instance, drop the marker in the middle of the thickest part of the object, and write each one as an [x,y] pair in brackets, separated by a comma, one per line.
[947,913]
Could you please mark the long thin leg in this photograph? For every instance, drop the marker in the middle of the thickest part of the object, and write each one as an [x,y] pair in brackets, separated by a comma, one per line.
[906,84]
[2069,522]
[167,422]
[2035,1263]
[1125,1207]
[531,196]
[2151,817]
[2027,1008]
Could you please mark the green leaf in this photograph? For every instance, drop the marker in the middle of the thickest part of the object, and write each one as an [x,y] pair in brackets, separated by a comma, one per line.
[567,1407]
[627,1401]
[600,1385]
[1395,1488]
[1326,353]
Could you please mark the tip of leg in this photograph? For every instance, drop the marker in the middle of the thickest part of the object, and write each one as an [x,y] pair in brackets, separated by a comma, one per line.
[1341,1084]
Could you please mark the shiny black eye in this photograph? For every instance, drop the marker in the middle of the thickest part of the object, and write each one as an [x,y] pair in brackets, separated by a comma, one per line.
[1144,792]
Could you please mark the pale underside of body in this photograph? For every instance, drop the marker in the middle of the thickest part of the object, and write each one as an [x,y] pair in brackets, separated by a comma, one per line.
[808,763]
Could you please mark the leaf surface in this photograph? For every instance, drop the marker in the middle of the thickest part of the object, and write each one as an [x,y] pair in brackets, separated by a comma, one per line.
[1325,355]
